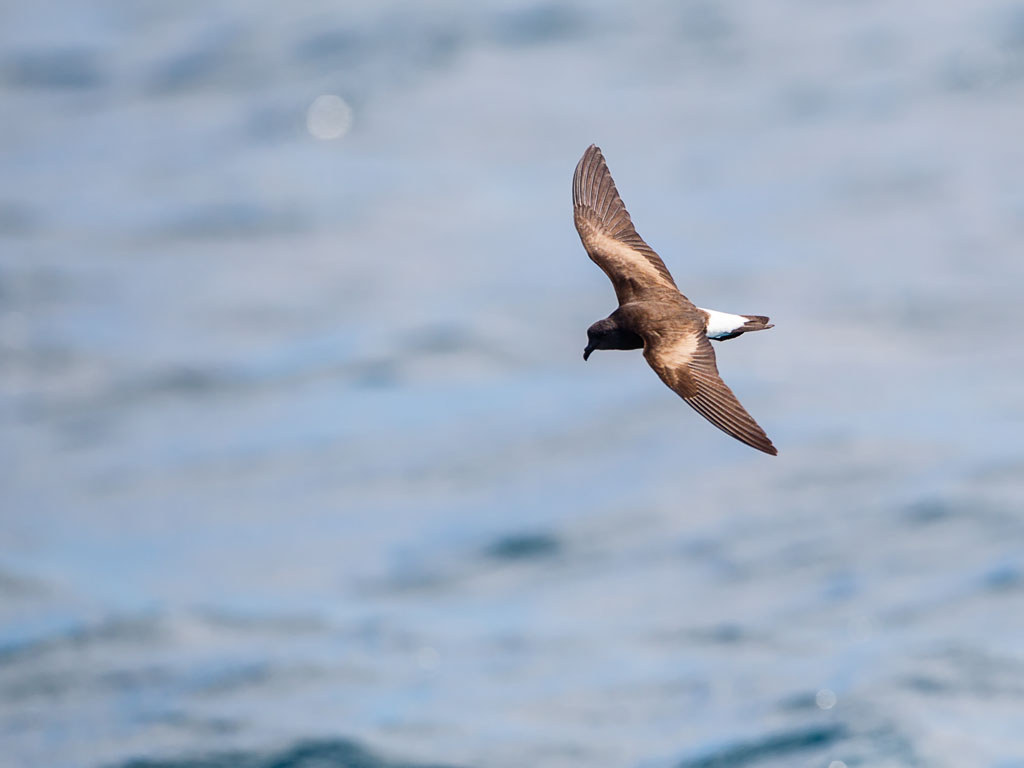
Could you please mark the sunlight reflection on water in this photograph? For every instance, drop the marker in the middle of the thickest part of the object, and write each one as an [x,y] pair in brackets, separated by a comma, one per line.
[329,117]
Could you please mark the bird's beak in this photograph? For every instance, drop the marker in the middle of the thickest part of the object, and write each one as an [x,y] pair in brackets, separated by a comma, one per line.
[587,351]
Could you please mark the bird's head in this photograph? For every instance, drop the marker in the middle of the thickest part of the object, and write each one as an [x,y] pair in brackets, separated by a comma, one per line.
[596,335]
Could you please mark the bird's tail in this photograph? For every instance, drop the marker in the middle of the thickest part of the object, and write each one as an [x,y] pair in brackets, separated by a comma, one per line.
[755,323]
[722,325]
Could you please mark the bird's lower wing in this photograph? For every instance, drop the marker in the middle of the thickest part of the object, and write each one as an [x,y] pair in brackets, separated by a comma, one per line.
[686,363]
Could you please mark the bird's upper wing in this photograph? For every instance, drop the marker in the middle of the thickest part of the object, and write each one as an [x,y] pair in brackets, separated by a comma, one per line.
[685,361]
[607,233]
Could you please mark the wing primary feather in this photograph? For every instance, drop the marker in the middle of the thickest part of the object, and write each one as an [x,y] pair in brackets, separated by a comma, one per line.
[588,178]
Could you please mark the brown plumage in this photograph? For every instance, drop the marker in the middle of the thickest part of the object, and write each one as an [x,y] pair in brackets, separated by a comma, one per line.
[652,312]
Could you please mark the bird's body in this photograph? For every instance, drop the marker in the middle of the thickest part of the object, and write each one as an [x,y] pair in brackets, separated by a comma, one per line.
[652,313]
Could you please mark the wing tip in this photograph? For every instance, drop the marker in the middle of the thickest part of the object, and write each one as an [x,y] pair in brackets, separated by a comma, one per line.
[756,438]
[591,155]
[593,187]
[580,182]
[758,441]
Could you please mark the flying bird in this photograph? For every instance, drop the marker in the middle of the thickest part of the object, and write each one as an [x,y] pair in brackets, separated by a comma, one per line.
[673,332]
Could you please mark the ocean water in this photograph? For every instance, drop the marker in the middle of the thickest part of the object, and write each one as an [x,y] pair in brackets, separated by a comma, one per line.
[300,464]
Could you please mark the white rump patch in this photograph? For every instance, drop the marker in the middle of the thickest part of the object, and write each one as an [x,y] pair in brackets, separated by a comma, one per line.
[722,323]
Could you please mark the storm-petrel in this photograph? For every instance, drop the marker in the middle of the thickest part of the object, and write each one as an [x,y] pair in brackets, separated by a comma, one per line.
[652,313]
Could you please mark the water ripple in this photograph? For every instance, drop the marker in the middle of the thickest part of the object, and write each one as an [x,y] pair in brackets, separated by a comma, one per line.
[337,753]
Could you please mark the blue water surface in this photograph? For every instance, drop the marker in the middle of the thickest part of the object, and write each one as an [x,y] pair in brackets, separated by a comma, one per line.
[300,464]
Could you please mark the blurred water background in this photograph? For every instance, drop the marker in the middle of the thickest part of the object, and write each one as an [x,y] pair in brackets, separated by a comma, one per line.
[300,464]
